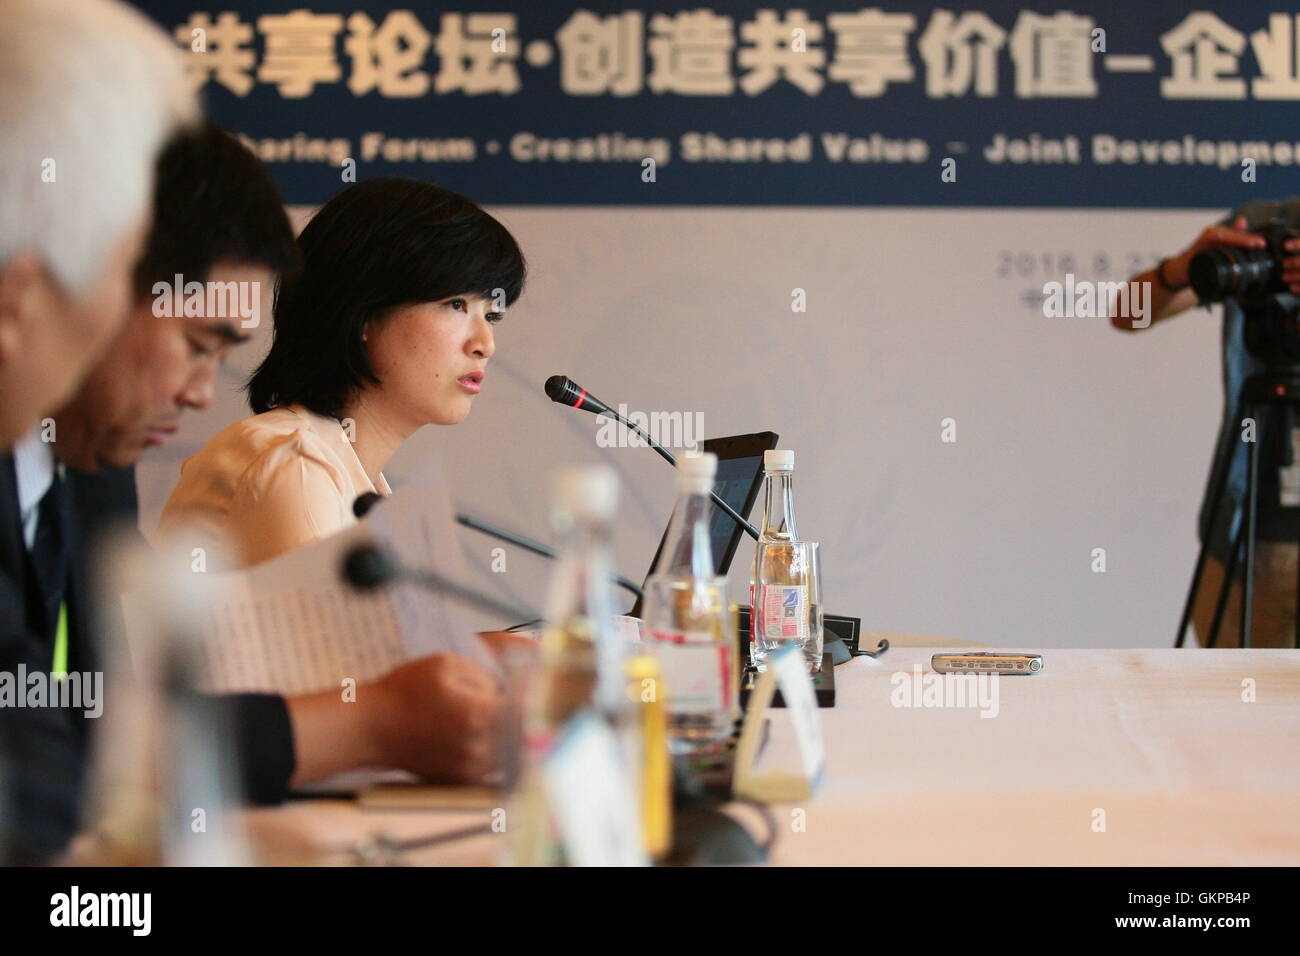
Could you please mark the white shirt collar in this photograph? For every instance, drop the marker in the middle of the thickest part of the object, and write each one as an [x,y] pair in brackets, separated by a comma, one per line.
[34,470]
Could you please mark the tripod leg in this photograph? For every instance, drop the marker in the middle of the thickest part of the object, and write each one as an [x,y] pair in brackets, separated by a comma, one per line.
[1218,493]
[1252,489]
[1190,604]
[1225,588]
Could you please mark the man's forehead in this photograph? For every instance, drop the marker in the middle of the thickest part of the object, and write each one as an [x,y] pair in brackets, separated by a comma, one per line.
[225,327]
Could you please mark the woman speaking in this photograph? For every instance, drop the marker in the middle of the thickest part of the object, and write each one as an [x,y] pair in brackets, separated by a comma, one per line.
[387,327]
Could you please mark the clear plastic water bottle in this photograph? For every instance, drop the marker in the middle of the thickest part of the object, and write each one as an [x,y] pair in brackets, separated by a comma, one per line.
[779,597]
[688,620]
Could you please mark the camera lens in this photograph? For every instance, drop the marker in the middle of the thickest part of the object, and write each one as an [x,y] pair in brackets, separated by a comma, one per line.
[1228,272]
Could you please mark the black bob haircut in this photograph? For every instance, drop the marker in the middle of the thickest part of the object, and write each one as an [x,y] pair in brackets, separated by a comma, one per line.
[377,245]
[213,202]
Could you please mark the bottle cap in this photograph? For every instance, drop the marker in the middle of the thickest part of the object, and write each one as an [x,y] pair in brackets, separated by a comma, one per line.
[696,471]
[778,459]
[588,493]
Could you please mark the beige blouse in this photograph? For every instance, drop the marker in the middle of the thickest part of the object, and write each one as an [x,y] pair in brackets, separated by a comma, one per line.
[264,486]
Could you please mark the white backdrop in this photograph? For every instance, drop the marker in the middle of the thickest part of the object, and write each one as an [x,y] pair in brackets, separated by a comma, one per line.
[1070,436]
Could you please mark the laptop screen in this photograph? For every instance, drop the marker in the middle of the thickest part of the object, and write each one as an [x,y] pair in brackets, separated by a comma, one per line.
[737,479]
[738,482]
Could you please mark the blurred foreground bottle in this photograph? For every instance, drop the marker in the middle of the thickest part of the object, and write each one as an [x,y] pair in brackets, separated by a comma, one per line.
[166,783]
[587,668]
[688,621]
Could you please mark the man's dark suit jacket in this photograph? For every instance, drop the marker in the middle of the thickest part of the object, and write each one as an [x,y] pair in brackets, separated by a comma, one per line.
[43,751]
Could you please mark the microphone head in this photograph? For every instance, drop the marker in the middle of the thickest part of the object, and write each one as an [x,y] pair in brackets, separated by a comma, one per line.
[562,389]
[365,501]
[368,567]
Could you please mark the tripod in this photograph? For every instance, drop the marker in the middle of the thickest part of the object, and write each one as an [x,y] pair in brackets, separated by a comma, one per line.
[1260,392]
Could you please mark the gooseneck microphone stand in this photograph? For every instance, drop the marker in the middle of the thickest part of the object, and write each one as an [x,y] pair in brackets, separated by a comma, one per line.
[368,499]
[527,544]
[564,391]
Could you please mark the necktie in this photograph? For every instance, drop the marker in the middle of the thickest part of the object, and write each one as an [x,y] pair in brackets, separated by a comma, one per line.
[50,563]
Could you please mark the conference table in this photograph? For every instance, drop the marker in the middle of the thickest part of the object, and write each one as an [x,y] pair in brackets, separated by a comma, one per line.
[1108,757]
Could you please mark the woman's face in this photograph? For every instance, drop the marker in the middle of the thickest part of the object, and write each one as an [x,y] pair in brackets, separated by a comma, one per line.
[430,357]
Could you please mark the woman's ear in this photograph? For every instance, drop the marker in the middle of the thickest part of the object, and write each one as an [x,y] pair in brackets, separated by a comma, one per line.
[365,326]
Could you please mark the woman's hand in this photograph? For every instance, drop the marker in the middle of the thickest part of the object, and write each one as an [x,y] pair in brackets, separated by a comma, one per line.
[505,643]
[437,716]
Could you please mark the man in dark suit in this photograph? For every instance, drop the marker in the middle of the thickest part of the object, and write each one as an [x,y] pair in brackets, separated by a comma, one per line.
[435,715]
[91,91]
[42,746]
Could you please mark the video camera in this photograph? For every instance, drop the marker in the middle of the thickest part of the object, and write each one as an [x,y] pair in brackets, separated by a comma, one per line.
[1253,277]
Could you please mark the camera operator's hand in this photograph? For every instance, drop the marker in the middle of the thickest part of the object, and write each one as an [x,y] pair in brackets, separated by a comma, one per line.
[1170,293]
[1175,270]
[1291,265]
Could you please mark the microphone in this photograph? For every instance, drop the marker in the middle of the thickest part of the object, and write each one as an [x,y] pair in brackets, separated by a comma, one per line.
[368,567]
[565,391]
[519,541]
[368,499]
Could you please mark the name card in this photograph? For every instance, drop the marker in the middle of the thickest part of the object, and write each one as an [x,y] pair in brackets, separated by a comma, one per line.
[591,797]
[787,670]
